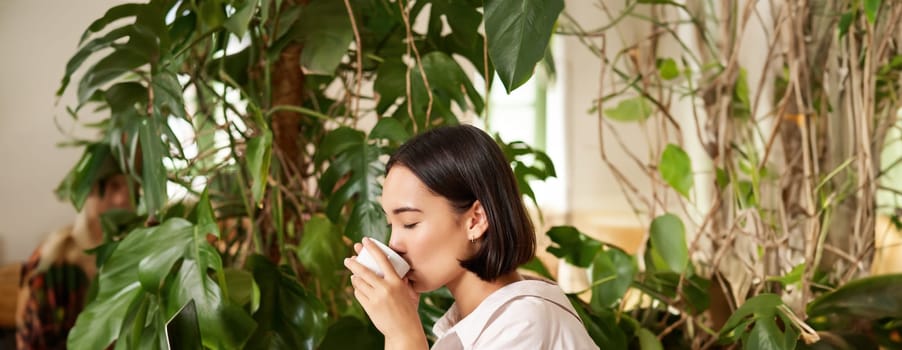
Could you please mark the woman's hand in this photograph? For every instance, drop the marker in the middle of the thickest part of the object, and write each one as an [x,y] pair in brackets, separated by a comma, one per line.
[390,301]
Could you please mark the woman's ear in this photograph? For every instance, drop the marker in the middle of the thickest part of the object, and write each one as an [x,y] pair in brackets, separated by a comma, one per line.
[477,221]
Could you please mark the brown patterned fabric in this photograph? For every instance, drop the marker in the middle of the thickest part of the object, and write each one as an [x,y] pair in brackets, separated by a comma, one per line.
[56,295]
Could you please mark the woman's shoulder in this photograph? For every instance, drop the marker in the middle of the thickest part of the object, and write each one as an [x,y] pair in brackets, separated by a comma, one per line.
[541,315]
[536,300]
[530,301]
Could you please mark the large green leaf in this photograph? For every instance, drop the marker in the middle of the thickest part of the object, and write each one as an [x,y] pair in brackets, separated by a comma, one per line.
[463,20]
[676,169]
[243,290]
[528,164]
[153,172]
[325,29]
[118,286]
[573,246]
[90,48]
[694,289]
[612,274]
[140,328]
[321,250]
[357,163]
[289,317]
[114,13]
[763,336]
[648,340]
[259,156]
[222,324]
[147,36]
[98,324]
[336,142]
[389,129]
[668,244]
[365,335]
[94,163]
[464,38]
[123,97]
[445,76]
[183,331]
[518,32]
[167,92]
[112,66]
[602,325]
[871,298]
[367,219]
[447,82]
[238,22]
[141,267]
[204,215]
[391,83]
[762,306]
[212,14]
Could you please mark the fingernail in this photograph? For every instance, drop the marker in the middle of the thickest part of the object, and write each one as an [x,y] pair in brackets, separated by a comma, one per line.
[346,261]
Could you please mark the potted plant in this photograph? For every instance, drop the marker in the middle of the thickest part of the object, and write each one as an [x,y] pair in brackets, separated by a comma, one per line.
[763,193]
[256,131]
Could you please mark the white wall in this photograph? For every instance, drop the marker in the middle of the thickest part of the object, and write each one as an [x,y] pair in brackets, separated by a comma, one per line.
[37,38]
[593,192]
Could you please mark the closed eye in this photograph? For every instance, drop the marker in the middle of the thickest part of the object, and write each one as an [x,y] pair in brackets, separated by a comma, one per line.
[407,226]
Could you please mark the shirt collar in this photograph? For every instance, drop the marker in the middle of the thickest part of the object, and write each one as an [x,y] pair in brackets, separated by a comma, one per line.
[469,328]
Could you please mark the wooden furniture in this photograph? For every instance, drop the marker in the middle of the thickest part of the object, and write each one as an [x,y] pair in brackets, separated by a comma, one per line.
[9,294]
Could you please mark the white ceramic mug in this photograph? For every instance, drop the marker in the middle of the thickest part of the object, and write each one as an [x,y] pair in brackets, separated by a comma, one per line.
[397,262]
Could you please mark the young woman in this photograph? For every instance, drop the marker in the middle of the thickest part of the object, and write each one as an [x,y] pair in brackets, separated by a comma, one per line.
[457,217]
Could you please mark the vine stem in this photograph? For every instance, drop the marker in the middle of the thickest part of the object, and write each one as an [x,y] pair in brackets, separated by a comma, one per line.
[359,56]
[411,45]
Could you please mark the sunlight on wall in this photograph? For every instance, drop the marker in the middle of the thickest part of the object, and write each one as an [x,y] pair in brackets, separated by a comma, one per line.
[891,163]
[532,114]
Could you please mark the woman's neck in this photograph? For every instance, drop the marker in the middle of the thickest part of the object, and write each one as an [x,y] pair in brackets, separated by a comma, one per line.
[469,290]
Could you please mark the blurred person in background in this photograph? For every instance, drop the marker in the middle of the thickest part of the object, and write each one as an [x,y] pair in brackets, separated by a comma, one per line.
[56,279]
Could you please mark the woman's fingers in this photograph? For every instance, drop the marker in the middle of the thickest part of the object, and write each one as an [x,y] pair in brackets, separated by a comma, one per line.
[362,289]
[361,271]
[387,269]
[357,248]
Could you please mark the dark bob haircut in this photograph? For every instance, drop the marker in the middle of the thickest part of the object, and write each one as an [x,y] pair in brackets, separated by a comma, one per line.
[464,164]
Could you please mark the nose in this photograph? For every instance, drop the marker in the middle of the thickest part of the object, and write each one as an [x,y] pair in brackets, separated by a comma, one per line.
[396,243]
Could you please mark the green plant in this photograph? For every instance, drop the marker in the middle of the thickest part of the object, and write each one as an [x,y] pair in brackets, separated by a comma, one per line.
[272,119]
[762,201]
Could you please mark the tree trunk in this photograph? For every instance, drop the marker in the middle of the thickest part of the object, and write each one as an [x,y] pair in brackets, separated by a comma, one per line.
[287,90]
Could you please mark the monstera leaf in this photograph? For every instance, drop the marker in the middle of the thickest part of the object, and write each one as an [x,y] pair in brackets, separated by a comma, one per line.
[353,177]
[573,246]
[448,83]
[138,277]
[289,317]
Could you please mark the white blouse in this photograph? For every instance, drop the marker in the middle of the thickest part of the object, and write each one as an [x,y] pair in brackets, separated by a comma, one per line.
[527,314]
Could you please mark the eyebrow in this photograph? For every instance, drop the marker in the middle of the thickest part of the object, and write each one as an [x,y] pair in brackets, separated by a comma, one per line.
[397,211]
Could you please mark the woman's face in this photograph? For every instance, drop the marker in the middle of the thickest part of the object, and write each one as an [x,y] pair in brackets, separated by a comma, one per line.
[425,230]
